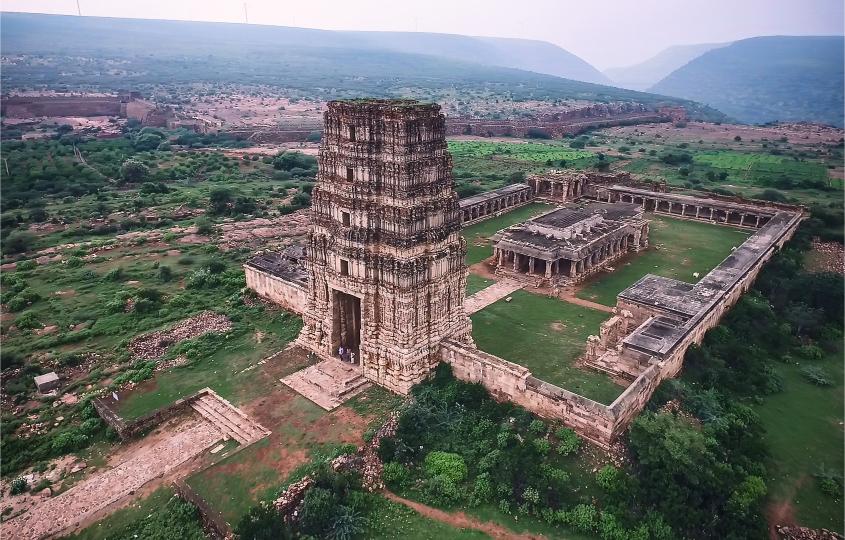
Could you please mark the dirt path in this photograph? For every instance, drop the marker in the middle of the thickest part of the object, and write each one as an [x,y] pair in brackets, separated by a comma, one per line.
[461,520]
[570,297]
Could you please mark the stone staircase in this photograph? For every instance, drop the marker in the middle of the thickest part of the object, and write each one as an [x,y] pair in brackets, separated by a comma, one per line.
[231,421]
[328,383]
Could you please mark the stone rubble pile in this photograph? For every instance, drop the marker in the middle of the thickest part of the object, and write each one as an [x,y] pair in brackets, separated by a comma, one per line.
[803,533]
[155,344]
[832,256]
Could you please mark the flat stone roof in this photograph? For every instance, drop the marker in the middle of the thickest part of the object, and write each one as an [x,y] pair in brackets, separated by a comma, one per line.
[280,265]
[685,303]
[757,209]
[539,236]
[491,195]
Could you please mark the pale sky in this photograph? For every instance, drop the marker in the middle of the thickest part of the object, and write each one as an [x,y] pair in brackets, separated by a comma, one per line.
[606,33]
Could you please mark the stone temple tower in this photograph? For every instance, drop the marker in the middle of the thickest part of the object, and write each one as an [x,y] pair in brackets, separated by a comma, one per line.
[386,267]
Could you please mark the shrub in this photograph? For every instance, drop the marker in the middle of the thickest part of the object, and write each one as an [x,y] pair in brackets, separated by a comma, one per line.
[27,321]
[583,517]
[67,441]
[18,486]
[165,274]
[115,274]
[816,375]
[441,490]
[348,523]
[18,242]
[568,441]
[482,491]
[609,478]
[537,427]
[74,262]
[447,464]
[204,225]
[543,446]
[318,509]
[395,474]
[24,266]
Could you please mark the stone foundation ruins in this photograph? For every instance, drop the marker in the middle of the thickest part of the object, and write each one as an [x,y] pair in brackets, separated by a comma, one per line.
[384,275]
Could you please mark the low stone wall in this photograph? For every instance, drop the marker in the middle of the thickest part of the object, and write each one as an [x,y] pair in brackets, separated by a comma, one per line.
[214,524]
[507,381]
[288,294]
[128,429]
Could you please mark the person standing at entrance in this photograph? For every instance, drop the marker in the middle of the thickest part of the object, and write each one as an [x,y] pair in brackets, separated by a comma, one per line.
[352,358]
[340,352]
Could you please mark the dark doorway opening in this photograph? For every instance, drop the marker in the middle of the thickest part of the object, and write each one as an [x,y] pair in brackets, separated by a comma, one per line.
[347,325]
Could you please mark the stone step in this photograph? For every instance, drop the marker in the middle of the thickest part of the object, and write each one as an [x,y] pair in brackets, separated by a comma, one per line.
[245,424]
[231,420]
[227,426]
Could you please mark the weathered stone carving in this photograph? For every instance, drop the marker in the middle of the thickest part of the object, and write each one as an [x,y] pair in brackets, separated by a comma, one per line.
[386,272]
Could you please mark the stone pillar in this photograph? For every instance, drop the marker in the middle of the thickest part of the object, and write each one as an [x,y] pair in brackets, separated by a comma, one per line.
[548,269]
[515,261]
[757,222]
[697,210]
[741,220]
[530,265]
[711,214]
[501,256]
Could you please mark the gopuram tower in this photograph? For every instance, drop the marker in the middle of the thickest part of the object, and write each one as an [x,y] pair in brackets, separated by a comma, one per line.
[386,267]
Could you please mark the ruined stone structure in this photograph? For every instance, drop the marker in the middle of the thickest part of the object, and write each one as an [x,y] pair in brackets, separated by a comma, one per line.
[561,186]
[492,203]
[566,245]
[383,273]
[728,210]
[280,277]
[563,123]
[123,105]
[386,271]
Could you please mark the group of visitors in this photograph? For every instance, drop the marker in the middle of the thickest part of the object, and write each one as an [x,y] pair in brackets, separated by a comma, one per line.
[346,355]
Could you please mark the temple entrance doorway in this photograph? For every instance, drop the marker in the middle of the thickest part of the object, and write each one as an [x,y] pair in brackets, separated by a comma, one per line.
[347,326]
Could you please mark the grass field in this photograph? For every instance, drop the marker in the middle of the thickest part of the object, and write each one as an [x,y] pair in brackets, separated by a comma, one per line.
[394,521]
[545,335]
[759,168]
[476,283]
[223,370]
[804,432]
[478,235]
[677,249]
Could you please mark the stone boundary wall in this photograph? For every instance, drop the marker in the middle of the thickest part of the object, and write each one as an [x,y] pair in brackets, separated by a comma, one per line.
[552,128]
[288,294]
[507,381]
[128,429]
[214,524]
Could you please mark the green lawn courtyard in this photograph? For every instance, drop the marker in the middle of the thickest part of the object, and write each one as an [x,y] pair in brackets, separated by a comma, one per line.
[804,433]
[545,335]
[677,249]
[478,235]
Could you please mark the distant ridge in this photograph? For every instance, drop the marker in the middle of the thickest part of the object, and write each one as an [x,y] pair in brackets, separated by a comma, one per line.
[766,79]
[153,55]
[525,54]
[646,74]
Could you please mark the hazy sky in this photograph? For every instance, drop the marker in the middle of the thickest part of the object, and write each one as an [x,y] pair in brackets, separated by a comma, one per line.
[606,33]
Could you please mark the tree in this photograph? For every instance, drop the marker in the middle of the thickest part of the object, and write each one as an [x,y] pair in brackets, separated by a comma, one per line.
[133,171]
[18,242]
[219,201]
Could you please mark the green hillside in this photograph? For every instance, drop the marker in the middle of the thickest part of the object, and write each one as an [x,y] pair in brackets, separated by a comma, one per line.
[767,79]
[111,54]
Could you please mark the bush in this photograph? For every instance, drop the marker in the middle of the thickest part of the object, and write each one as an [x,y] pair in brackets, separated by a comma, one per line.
[816,375]
[24,266]
[568,441]
[18,486]
[27,321]
[67,441]
[537,427]
[204,225]
[115,274]
[447,464]
[18,242]
[165,274]
[609,478]
[263,522]
[395,474]
[74,262]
